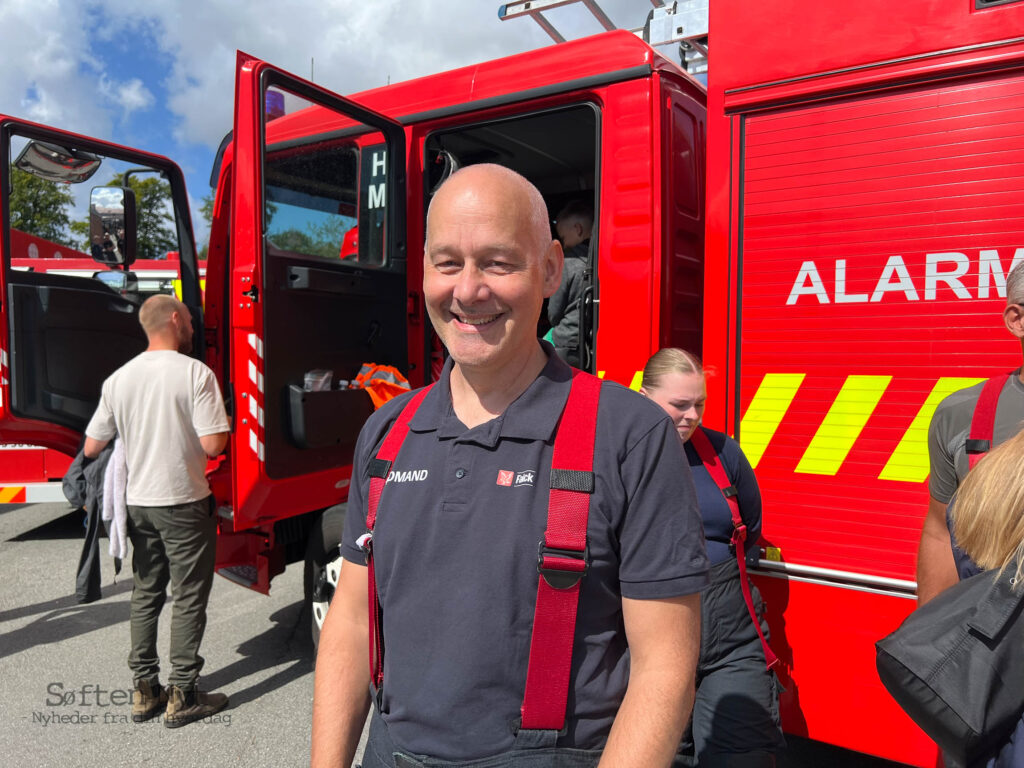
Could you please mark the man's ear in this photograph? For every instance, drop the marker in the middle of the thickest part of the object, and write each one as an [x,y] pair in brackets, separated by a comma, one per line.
[1013,316]
[551,263]
[643,392]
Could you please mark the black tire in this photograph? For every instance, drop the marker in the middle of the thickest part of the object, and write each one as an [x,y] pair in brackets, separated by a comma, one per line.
[321,549]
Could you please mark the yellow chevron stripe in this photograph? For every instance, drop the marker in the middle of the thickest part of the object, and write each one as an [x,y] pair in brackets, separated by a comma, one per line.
[909,462]
[638,378]
[765,413]
[843,424]
[7,494]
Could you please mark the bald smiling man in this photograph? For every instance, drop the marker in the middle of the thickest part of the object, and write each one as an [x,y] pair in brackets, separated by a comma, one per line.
[473,656]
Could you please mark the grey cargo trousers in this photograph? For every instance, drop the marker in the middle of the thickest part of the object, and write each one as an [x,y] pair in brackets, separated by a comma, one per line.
[176,545]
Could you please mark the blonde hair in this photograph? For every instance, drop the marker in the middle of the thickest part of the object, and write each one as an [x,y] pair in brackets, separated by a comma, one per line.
[156,312]
[669,360]
[988,516]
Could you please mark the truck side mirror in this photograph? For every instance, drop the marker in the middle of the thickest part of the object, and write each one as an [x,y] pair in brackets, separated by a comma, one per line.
[112,225]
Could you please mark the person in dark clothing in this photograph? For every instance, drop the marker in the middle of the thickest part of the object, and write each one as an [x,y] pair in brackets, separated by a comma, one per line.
[574,226]
[735,721]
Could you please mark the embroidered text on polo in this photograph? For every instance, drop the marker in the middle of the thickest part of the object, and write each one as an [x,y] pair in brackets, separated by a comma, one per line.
[410,476]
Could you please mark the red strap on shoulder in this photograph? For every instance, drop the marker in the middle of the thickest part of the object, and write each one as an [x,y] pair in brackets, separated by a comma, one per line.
[983,422]
[379,468]
[562,559]
[713,464]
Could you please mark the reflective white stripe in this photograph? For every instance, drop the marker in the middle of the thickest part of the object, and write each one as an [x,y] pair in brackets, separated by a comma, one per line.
[259,382]
[255,445]
[253,408]
[831,576]
[253,373]
[39,493]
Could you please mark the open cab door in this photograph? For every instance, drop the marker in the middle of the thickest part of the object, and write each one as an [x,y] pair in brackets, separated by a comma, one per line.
[317,288]
[74,236]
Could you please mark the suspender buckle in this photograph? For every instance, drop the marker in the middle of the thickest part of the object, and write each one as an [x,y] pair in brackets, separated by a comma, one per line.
[365,543]
[729,491]
[562,568]
[739,535]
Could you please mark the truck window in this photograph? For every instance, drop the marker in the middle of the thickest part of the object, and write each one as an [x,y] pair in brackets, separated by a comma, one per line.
[556,150]
[54,229]
[75,213]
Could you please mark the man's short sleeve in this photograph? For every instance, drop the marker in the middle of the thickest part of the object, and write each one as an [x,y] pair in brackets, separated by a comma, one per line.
[662,540]
[208,415]
[101,425]
[942,480]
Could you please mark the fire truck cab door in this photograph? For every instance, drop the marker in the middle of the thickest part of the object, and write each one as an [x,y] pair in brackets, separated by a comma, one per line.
[317,285]
[69,318]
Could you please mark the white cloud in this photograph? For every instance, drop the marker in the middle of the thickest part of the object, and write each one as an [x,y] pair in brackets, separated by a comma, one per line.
[353,44]
[49,71]
[133,95]
[54,69]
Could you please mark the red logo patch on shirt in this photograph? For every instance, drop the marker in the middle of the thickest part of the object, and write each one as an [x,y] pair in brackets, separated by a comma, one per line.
[505,477]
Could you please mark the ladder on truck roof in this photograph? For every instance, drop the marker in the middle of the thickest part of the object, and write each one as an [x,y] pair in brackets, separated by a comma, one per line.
[684,22]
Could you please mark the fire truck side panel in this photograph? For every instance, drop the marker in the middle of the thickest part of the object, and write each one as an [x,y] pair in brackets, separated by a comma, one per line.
[865,207]
[783,42]
[876,233]
[627,229]
[828,652]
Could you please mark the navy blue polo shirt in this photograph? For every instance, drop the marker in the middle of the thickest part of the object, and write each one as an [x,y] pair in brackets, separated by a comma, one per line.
[714,509]
[455,554]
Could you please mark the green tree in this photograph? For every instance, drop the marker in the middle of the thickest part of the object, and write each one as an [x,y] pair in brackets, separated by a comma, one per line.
[156,233]
[40,207]
[206,209]
[80,235]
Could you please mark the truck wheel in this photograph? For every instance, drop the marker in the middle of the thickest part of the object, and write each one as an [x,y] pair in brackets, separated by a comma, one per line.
[323,566]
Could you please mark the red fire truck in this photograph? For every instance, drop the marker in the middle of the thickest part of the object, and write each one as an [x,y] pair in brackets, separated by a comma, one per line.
[863,207]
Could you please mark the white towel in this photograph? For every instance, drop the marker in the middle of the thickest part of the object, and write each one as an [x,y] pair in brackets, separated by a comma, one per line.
[115,505]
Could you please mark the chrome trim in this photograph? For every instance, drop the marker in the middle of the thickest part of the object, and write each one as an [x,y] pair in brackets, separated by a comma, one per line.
[838,578]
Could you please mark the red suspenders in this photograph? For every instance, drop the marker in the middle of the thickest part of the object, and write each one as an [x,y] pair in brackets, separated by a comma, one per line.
[711,462]
[562,557]
[983,423]
[379,468]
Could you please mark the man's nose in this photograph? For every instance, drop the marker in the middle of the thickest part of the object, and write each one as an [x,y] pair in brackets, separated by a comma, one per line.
[471,286]
[691,413]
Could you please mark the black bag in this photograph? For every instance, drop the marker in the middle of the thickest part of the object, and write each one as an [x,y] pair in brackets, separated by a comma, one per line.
[956,666]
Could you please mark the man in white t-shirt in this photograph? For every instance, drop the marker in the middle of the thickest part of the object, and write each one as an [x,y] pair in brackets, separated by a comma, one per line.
[167,410]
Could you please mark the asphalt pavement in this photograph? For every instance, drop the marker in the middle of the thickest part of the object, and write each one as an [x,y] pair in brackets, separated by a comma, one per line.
[65,685]
[64,672]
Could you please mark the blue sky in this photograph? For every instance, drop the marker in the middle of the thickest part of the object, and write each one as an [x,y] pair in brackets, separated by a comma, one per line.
[159,75]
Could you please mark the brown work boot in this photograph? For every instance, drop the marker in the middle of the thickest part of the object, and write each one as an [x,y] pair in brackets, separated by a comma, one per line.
[149,699]
[184,707]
